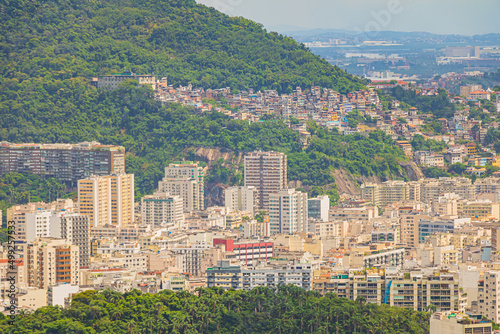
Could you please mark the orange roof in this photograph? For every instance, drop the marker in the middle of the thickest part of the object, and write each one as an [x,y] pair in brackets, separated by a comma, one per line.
[479,92]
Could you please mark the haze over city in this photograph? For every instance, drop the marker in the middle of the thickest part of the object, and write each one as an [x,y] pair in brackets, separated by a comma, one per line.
[247,167]
[440,17]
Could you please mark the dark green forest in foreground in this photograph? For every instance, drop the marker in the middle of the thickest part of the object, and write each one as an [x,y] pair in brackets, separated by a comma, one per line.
[155,135]
[288,310]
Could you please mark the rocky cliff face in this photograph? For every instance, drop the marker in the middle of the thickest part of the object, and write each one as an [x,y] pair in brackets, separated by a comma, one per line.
[413,171]
[348,186]
[211,155]
[214,192]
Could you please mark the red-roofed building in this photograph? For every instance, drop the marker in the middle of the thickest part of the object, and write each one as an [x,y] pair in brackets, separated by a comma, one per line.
[480,95]
[247,252]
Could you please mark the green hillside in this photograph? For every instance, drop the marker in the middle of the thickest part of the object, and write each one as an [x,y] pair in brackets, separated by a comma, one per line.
[155,135]
[289,310]
[51,42]
[50,49]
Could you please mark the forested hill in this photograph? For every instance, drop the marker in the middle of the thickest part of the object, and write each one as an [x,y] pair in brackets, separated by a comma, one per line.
[49,42]
[290,310]
[50,49]
[154,135]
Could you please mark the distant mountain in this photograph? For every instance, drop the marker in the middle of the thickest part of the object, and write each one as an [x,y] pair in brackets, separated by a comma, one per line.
[397,36]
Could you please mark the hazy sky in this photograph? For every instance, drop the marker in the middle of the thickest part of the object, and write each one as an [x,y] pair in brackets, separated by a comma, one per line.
[436,16]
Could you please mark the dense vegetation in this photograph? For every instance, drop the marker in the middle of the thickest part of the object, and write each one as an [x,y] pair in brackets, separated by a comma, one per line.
[419,143]
[155,135]
[440,105]
[288,310]
[18,188]
[58,44]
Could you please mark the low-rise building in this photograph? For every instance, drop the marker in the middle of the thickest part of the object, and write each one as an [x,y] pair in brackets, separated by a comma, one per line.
[228,276]
[458,323]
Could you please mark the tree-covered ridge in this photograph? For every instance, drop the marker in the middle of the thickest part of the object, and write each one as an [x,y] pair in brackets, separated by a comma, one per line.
[439,105]
[288,310]
[154,136]
[53,41]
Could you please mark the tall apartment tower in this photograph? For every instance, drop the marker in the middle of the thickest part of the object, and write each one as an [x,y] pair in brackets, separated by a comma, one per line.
[267,172]
[51,261]
[161,208]
[185,179]
[288,212]
[241,199]
[75,228]
[107,200]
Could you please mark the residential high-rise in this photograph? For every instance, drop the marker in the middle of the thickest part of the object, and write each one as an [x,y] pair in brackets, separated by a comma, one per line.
[241,199]
[51,261]
[288,212]
[65,162]
[161,208]
[431,189]
[107,199]
[38,224]
[267,172]
[489,296]
[319,207]
[386,193]
[185,179]
[227,276]
[71,226]
[75,228]
[404,289]
[409,224]
[190,258]
[20,214]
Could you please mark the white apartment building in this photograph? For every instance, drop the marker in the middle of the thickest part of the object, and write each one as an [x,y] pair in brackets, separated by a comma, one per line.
[123,248]
[318,207]
[288,212]
[227,276]
[254,228]
[162,208]
[38,224]
[135,261]
[385,193]
[59,295]
[18,213]
[185,179]
[267,172]
[241,199]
